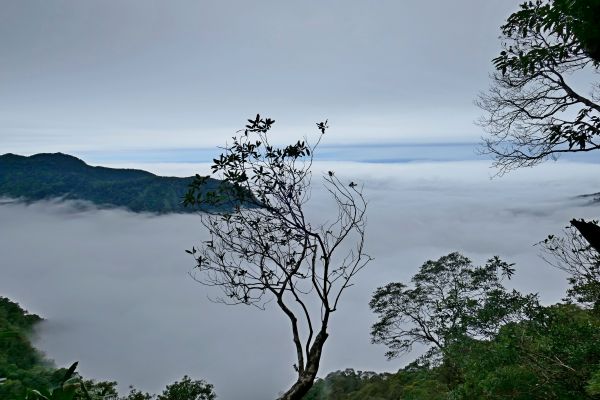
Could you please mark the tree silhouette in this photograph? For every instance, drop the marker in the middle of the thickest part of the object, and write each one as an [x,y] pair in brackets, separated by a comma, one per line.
[450,300]
[574,252]
[187,389]
[268,249]
[535,108]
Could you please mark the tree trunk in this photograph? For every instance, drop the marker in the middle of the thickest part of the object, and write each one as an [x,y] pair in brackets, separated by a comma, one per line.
[307,377]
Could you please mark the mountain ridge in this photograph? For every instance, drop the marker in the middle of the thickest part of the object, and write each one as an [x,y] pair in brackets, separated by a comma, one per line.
[46,176]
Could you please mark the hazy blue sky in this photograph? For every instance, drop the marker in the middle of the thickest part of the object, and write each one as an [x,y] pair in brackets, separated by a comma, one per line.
[112,75]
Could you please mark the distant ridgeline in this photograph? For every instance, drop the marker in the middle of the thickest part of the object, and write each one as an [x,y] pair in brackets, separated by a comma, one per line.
[592,197]
[47,176]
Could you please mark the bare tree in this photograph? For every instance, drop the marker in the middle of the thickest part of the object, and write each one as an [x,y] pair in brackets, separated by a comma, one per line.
[265,248]
[534,109]
[571,252]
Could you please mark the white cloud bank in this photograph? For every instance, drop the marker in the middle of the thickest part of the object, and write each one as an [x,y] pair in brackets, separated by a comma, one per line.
[115,291]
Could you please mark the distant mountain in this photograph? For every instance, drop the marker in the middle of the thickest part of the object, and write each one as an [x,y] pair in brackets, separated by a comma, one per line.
[593,197]
[46,176]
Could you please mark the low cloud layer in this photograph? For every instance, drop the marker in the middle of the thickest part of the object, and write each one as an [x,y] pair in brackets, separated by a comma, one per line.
[114,288]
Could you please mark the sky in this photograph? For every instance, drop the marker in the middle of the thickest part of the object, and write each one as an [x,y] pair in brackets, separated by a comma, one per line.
[158,85]
[80,76]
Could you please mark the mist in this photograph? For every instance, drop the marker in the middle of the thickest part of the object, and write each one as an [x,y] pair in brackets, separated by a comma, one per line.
[114,287]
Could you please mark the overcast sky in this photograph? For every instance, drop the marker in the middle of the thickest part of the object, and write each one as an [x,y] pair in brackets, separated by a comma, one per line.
[110,75]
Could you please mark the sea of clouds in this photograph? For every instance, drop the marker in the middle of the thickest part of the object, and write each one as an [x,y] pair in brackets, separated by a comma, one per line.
[115,291]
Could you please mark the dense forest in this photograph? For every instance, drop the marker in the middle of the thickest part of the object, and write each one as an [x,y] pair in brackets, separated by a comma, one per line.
[49,176]
[25,373]
[499,344]
[21,365]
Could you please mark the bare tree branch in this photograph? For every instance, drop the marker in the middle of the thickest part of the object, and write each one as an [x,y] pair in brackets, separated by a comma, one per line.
[532,111]
[263,247]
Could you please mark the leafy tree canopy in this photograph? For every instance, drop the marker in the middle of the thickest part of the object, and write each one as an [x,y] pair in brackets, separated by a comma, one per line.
[449,299]
[553,356]
[534,109]
[408,383]
[188,389]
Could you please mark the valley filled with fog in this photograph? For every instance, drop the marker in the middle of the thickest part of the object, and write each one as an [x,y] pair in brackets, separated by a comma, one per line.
[115,290]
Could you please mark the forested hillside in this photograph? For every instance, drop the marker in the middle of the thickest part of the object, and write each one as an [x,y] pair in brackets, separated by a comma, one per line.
[46,176]
[484,341]
[21,365]
[26,374]
[556,356]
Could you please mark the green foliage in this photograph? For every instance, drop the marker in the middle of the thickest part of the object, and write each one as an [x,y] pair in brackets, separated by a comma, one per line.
[21,365]
[593,387]
[15,326]
[408,383]
[530,352]
[99,389]
[45,176]
[553,356]
[26,374]
[135,394]
[187,389]
[573,27]
[535,109]
[70,387]
[450,299]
